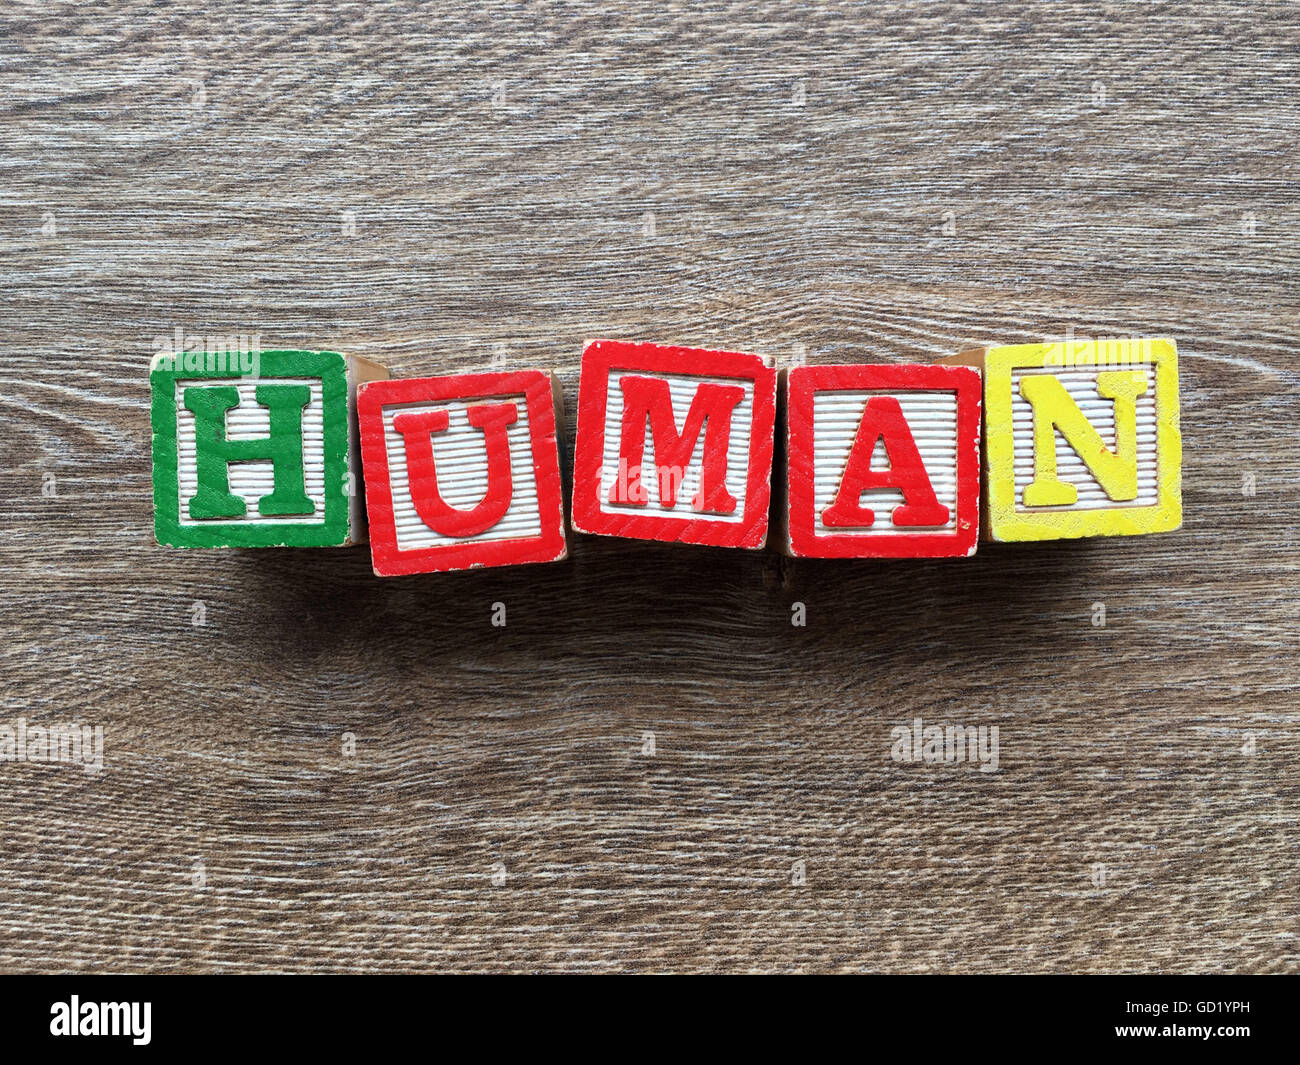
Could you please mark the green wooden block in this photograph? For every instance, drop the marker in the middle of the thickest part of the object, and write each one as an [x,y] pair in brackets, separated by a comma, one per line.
[257,449]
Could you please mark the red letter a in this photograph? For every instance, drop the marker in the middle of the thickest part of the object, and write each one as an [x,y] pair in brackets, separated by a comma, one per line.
[417,431]
[649,399]
[883,420]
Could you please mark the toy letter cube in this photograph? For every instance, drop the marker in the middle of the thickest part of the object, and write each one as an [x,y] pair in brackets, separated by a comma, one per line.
[1081,439]
[674,444]
[462,471]
[883,461]
[256,449]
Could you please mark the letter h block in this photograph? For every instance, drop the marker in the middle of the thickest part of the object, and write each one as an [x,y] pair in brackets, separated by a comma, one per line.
[258,449]
[462,471]
[883,461]
[1081,438]
[674,444]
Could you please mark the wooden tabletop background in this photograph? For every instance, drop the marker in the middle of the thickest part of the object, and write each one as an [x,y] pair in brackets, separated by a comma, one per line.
[649,767]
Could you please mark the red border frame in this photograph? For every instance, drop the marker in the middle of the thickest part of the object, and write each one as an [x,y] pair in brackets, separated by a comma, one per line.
[602,356]
[387,560]
[803,382]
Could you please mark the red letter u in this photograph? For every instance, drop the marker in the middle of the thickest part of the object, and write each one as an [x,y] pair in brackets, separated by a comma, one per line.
[417,431]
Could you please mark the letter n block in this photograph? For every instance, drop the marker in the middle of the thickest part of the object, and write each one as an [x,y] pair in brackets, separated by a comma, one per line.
[462,471]
[257,449]
[1081,439]
[674,444]
[883,461]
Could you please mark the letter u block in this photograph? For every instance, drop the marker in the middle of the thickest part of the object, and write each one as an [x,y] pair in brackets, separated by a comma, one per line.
[883,461]
[462,471]
[257,449]
[674,444]
[1081,439]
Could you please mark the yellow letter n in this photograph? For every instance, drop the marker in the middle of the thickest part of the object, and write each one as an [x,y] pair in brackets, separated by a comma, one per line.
[1054,408]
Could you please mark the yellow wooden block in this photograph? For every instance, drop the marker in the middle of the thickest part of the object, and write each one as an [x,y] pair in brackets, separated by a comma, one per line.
[1081,438]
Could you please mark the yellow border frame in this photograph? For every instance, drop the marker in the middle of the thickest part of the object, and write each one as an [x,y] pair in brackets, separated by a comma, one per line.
[1005,522]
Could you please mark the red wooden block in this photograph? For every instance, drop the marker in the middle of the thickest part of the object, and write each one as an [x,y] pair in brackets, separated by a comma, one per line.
[883,461]
[462,471]
[674,444]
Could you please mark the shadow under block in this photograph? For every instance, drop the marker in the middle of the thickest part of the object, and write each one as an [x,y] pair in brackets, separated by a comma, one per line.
[1081,438]
[674,444]
[257,449]
[462,471]
[883,461]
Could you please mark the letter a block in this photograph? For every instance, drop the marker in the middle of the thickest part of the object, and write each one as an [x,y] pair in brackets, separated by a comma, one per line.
[1081,439]
[462,471]
[257,450]
[884,461]
[674,444]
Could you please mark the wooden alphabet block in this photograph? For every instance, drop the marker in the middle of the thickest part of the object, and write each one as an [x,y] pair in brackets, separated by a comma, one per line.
[257,449]
[462,471]
[674,444]
[1081,438]
[883,461]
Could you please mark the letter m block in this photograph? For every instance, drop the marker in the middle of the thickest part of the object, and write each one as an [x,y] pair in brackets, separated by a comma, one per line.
[462,471]
[674,444]
[883,461]
[265,457]
[1081,438]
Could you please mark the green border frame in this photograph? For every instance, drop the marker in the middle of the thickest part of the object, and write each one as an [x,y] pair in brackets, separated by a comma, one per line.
[331,368]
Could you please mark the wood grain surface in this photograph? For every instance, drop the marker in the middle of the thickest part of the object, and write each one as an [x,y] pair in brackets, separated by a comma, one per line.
[648,767]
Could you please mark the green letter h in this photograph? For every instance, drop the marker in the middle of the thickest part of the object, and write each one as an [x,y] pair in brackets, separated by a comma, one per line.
[213,451]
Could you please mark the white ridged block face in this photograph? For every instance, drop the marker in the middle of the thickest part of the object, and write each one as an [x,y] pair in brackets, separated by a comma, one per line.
[1081,384]
[931,417]
[460,459]
[682,389]
[250,481]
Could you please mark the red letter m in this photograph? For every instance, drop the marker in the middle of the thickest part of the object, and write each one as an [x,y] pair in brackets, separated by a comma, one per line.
[648,399]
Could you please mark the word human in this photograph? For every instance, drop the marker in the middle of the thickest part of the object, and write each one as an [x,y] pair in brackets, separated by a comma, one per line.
[1023,442]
